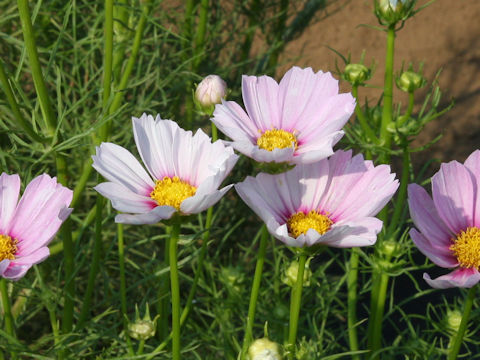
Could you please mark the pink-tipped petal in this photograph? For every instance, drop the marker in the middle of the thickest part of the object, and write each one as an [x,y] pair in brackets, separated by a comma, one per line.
[9,190]
[260,96]
[152,217]
[125,200]
[473,164]
[426,218]
[118,165]
[461,277]
[452,189]
[438,253]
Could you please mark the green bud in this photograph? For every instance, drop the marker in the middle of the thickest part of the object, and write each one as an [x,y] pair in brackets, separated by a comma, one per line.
[454,318]
[281,312]
[388,248]
[410,81]
[356,74]
[389,12]
[264,349]
[290,276]
[142,328]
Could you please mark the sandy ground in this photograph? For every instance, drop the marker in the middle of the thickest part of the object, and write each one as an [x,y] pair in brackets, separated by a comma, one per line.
[444,36]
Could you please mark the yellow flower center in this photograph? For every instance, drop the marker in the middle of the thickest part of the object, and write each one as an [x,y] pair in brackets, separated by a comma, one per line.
[8,247]
[276,139]
[300,223]
[171,191]
[466,248]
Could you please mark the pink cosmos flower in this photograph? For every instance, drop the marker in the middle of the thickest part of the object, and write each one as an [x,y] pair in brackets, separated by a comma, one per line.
[296,121]
[449,225]
[28,227]
[184,172]
[331,202]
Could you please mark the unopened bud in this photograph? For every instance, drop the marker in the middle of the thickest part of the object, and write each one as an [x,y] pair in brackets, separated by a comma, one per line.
[142,328]
[290,276]
[454,318]
[264,349]
[390,12]
[211,90]
[410,81]
[356,74]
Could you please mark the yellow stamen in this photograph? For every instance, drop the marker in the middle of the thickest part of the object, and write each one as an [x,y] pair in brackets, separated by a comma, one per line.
[171,191]
[8,247]
[466,248]
[276,139]
[300,223]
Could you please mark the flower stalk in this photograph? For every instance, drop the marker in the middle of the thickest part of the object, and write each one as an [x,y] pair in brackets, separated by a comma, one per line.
[175,288]
[7,312]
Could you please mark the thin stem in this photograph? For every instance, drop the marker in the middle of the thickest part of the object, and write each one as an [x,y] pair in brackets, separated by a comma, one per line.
[295,301]
[163,308]
[7,312]
[140,347]
[387,114]
[175,289]
[123,286]
[467,307]
[352,278]
[403,119]
[200,34]
[402,193]
[24,124]
[255,289]
[107,63]
[378,316]
[362,118]
[97,247]
[40,87]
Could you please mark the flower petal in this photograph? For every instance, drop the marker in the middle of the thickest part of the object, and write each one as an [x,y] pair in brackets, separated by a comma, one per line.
[454,195]
[231,120]
[125,200]
[461,277]
[426,218]
[4,264]
[361,232]
[9,190]
[152,217]
[202,201]
[473,164]
[316,151]
[39,214]
[438,253]
[118,165]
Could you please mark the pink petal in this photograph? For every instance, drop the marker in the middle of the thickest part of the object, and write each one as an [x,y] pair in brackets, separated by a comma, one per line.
[361,232]
[260,96]
[15,273]
[31,259]
[125,200]
[154,216]
[9,190]
[39,213]
[473,164]
[118,165]
[426,218]
[461,277]
[440,254]
[454,195]
[4,264]
[231,120]
[315,151]
[201,202]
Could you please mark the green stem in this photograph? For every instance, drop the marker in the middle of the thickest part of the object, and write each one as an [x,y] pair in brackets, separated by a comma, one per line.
[97,248]
[163,306]
[255,289]
[40,88]
[123,286]
[379,305]
[141,345]
[107,63]
[200,34]
[352,278]
[362,118]
[403,119]
[278,43]
[387,114]
[402,193]
[175,289]
[295,301]
[467,307]
[24,124]
[7,312]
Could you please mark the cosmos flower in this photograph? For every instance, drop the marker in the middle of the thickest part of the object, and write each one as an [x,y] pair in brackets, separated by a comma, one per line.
[449,225]
[28,227]
[296,121]
[331,202]
[184,172]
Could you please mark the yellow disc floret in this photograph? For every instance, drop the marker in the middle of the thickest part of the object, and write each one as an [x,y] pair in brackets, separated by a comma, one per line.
[466,248]
[300,223]
[171,191]
[8,247]
[276,139]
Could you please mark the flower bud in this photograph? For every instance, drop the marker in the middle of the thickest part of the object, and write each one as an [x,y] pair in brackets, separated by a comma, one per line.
[454,318]
[356,74]
[390,12]
[264,349]
[410,81]
[290,276]
[209,92]
[142,329]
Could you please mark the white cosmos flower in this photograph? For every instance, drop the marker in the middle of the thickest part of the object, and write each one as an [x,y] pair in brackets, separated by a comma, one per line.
[184,172]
